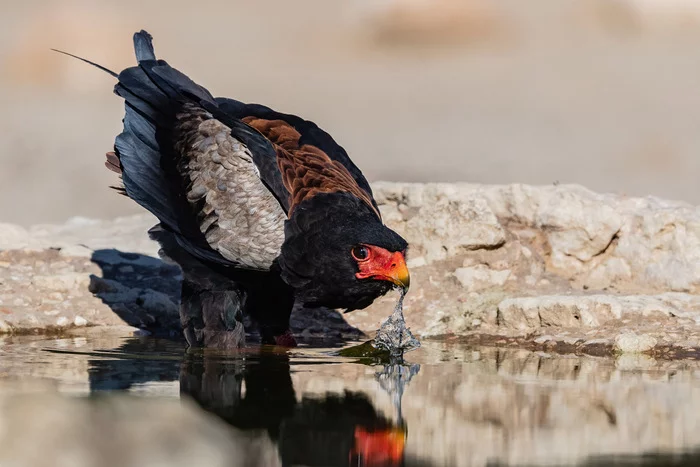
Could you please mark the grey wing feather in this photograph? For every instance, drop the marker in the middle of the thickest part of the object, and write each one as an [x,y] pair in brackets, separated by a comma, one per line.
[239,217]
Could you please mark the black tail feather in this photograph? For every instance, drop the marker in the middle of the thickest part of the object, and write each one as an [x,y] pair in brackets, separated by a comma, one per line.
[154,93]
[143,46]
[106,70]
[143,179]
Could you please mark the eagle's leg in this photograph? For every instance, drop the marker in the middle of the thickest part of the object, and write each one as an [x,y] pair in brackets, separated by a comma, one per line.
[270,305]
[211,304]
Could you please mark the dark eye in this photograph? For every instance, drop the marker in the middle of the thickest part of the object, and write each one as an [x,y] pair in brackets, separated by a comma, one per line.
[360,253]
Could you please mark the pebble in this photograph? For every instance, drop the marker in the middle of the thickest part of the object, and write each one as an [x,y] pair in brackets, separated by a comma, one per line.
[80,321]
[58,296]
[634,343]
[62,321]
[543,339]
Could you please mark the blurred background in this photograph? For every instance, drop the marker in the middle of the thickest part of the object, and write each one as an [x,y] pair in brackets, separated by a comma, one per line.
[605,93]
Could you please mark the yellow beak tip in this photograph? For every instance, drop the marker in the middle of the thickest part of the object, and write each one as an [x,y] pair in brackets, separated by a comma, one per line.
[403,281]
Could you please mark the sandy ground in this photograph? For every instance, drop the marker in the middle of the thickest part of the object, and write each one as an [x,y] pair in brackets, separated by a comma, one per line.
[533,92]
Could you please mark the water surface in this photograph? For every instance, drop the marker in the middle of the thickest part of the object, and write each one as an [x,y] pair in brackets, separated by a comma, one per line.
[448,404]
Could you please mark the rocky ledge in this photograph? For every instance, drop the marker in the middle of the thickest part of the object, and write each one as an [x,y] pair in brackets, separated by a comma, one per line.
[557,267]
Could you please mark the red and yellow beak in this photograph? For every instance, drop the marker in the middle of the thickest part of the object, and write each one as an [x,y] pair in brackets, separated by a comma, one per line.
[398,271]
[385,265]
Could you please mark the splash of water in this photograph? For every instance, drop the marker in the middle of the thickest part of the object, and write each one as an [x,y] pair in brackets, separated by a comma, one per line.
[393,335]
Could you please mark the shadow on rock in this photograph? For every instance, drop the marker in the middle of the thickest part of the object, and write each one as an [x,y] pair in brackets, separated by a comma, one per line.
[142,290]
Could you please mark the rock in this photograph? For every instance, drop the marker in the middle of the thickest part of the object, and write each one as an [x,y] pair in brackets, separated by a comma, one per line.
[55,296]
[46,290]
[577,223]
[62,322]
[79,237]
[633,343]
[61,282]
[480,277]
[513,261]
[527,314]
[611,271]
[440,220]
[79,321]
[614,240]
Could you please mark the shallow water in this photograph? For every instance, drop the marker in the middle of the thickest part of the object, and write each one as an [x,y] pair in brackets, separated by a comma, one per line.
[449,404]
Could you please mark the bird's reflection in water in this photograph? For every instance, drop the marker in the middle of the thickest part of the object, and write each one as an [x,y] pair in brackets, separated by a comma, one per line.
[255,392]
[336,429]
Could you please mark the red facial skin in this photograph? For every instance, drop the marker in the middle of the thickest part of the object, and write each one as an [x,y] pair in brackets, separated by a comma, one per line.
[381,264]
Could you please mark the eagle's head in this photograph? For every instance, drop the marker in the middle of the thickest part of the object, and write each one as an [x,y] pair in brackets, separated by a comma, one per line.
[338,254]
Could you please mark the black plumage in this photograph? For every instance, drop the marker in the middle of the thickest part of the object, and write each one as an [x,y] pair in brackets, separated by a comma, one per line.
[318,238]
[260,209]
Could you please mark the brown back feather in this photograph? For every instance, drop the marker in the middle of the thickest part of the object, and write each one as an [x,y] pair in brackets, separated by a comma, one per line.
[306,170]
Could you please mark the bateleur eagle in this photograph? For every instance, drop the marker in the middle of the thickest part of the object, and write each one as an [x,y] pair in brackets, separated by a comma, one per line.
[262,210]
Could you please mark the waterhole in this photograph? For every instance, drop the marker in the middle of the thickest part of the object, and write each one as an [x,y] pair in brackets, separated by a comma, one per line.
[445,404]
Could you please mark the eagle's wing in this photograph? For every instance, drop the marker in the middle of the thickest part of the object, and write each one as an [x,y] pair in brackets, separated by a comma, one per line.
[197,170]
[221,175]
[309,159]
